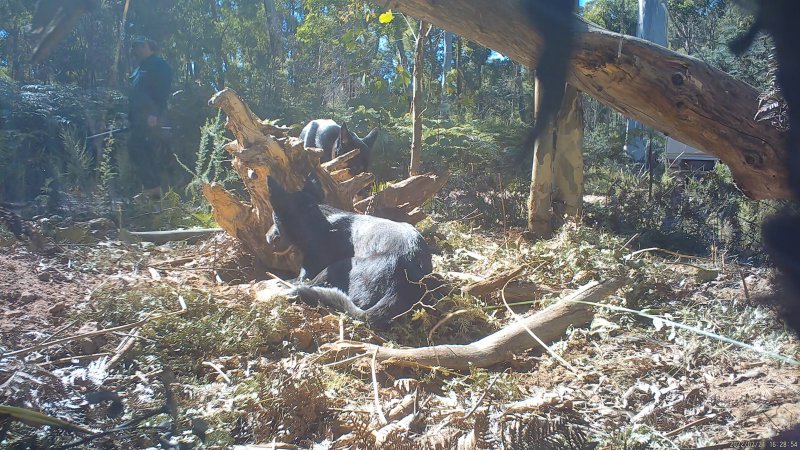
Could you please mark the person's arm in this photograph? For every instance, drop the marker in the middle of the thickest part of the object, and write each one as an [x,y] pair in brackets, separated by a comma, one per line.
[161,86]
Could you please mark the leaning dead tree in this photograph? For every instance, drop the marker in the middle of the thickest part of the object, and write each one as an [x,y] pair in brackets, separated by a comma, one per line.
[548,325]
[678,95]
[260,150]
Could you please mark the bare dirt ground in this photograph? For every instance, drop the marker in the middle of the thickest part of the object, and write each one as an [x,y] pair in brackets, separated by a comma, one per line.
[35,294]
[246,371]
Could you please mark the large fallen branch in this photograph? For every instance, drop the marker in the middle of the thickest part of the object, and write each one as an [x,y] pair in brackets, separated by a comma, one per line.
[548,324]
[262,150]
[676,94]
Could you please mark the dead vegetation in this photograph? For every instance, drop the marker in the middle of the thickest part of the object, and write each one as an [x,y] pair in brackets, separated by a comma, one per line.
[135,345]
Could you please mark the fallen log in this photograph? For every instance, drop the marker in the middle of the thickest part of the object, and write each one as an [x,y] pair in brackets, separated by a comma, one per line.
[679,95]
[548,324]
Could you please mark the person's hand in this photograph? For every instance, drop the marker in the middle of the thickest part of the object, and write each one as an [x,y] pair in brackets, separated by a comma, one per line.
[152,121]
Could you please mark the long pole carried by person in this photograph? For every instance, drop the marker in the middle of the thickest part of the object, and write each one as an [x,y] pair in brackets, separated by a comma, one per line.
[117,130]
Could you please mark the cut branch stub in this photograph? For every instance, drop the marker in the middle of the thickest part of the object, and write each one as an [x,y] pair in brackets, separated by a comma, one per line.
[402,201]
[338,163]
[493,283]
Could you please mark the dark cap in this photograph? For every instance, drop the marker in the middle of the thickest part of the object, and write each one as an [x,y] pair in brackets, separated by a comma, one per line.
[139,39]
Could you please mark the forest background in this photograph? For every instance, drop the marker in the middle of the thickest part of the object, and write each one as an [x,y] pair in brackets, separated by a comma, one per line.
[297,60]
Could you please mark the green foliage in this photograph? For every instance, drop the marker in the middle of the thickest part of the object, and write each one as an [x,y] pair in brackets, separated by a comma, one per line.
[693,213]
[695,24]
[639,437]
[603,138]
[43,138]
[183,342]
[79,164]
[106,170]
[210,162]
[345,59]
[752,67]
[621,16]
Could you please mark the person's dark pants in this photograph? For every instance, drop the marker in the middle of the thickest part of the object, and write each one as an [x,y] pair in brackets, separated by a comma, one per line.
[146,149]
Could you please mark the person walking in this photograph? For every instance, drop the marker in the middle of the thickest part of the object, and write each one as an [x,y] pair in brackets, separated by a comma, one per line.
[150,87]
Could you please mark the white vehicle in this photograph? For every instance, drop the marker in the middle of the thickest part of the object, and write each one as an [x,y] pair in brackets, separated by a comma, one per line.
[685,158]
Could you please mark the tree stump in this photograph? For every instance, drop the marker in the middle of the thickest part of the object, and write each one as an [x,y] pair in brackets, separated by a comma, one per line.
[261,149]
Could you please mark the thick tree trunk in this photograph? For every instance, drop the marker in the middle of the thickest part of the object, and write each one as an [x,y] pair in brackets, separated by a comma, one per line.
[273,29]
[678,95]
[540,197]
[568,162]
[653,27]
[557,175]
[459,78]
[117,48]
[416,100]
[519,86]
[262,150]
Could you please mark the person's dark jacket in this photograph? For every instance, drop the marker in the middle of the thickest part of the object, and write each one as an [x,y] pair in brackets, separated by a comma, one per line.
[150,89]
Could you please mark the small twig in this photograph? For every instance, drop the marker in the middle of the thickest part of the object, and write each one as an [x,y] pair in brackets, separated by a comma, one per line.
[123,347]
[744,287]
[346,360]
[219,370]
[485,391]
[469,216]
[176,261]
[378,408]
[189,269]
[678,263]
[145,377]
[420,302]
[493,307]
[355,411]
[402,409]
[628,242]
[75,358]
[444,320]
[281,280]
[59,331]
[697,331]
[532,334]
[137,336]
[129,326]
[125,427]
[697,422]
[662,250]
[341,327]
